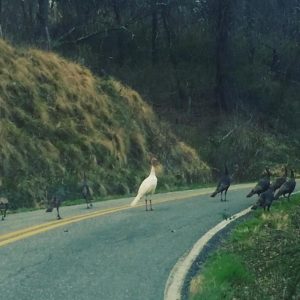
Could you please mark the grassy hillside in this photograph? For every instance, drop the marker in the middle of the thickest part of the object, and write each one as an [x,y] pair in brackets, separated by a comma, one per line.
[58,121]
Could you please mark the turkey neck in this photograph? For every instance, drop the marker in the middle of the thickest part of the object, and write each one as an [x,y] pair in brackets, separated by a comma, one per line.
[152,172]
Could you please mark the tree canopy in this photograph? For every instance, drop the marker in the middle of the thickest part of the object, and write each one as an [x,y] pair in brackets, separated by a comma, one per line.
[195,59]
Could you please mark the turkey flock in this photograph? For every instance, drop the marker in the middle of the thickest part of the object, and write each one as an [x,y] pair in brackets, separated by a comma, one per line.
[57,198]
[269,191]
[266,190]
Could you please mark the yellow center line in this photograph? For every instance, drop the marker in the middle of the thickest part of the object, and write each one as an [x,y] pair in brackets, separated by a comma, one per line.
[14,236]
[59,222]
[30,231]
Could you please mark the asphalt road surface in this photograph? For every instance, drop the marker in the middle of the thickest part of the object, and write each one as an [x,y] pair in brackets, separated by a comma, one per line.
[122,253]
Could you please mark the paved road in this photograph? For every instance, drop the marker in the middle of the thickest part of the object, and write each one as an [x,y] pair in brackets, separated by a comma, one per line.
[127,254]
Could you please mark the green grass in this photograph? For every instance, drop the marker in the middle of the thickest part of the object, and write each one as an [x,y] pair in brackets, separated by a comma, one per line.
[222,272]
[260,259]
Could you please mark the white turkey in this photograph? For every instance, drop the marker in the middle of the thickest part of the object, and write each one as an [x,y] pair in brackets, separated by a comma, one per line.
[147,187]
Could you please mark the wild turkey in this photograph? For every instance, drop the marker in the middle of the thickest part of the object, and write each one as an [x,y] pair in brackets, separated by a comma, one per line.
[147,187]
[262,185]
[55,202]
[287,188]
[3,207]
[87,193]
[265,199]
[223,185]
[279,181]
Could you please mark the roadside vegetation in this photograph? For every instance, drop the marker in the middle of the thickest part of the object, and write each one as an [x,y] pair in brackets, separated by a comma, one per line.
[259,260]
[58,121]
[199,82]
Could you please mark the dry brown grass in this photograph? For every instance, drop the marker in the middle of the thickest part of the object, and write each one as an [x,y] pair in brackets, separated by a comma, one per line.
[58,120]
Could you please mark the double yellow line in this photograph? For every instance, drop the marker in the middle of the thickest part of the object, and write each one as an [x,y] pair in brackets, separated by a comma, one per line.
[14,236]
[11,237]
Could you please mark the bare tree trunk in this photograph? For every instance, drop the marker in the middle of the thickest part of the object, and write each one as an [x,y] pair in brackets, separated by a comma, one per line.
[121,55]
[249,30]
[221,49]
[154,32]
[28,19]
[173,59]
[286,78]
[190,100]
[1,32]
[31,19]
[24,12]
[42,17]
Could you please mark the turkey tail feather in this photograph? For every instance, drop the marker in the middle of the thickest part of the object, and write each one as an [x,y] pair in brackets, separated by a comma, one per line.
[277,195]
[135,201]
[214,194]
[250,194]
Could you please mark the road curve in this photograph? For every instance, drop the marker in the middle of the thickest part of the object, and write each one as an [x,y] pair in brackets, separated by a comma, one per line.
[112,252]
